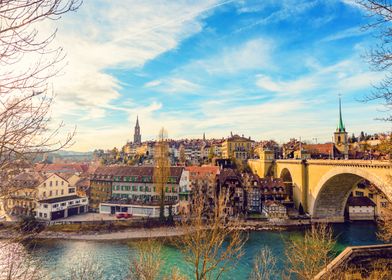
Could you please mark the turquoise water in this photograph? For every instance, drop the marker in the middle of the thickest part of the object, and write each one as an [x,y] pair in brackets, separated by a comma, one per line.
[114,257]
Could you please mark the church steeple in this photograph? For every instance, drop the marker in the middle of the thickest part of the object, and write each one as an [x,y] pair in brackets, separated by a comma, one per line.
[137,137]
[340,127]
[340,135]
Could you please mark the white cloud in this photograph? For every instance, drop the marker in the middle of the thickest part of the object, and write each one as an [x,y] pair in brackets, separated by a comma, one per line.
[347,33]
[153,83]
[173,85]
[345,76]
[105,35]
[253,54]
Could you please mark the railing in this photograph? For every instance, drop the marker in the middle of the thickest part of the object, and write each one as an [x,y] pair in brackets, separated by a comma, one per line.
[354,253]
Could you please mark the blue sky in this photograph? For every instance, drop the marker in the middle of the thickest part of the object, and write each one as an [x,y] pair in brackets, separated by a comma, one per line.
[265,69]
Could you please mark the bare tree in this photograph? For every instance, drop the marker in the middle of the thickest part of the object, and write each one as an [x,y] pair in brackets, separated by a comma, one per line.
[264,266]
[385,224]
[212,243]
[380,56]
[309,255]
[16,264]
[86,268]
[27,63]
[161,169]
[182,154]
[148,261]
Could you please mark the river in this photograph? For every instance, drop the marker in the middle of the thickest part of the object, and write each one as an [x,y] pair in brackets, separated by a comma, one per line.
[57,256]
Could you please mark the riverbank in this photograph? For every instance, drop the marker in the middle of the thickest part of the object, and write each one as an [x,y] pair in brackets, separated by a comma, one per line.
[142,233]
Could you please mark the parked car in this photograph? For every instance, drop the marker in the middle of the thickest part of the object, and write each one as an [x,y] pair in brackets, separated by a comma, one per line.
[123,215]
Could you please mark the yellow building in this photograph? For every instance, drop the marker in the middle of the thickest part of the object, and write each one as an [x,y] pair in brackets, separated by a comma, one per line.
[29,189]
[237,147]
[365,189]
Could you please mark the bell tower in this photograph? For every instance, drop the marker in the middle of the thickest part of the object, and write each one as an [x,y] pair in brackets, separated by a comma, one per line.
[137,138]
[340,135]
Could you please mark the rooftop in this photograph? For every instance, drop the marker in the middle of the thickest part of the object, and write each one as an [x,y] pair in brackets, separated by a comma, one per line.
[59,199]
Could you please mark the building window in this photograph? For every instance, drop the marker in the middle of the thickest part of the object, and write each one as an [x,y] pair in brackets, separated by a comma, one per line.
[45,205]
[63,204]
[57,183]
[358,193]
[62,192]
[371,195]
[71,190]
[45,215]
[384,204]
[50,193]
[50,183]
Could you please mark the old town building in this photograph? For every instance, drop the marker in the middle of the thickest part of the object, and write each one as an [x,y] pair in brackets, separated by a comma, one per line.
[47,197]
[237,147]
[132,189]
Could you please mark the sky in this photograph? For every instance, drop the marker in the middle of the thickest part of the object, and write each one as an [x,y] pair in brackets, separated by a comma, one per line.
[266,69]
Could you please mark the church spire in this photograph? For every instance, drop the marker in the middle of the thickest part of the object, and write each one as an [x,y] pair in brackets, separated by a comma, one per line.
[340,127]
[137,138]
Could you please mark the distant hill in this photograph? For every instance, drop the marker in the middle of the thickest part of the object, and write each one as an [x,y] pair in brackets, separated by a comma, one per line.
[72,153]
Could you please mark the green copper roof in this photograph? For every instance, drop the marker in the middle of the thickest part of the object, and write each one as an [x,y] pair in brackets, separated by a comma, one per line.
[340,127]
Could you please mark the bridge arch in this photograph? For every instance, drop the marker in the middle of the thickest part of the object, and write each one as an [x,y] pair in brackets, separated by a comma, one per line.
[285,175]
[334,188]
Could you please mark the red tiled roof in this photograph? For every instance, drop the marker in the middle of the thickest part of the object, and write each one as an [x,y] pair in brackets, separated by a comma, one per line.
[133,171]
[62,168]
[203,169]
[325,149]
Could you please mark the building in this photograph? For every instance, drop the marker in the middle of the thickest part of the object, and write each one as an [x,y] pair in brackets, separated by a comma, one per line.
[47,197]
[61,207]
[360,208]
[237,147]
[100,186]
[274,210]
[321,151]
[365,189]
[71,168]
[184,194]
[137,137]
[253,192]
[229,184]
[259,190]
[132,189]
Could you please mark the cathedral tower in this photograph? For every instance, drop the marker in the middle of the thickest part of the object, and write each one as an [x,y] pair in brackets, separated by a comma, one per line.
[137,138]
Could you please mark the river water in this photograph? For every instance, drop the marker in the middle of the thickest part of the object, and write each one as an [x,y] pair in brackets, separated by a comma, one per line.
[57,256]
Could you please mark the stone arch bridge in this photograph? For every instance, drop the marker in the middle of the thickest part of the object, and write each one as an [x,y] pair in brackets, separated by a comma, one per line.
[323,186]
